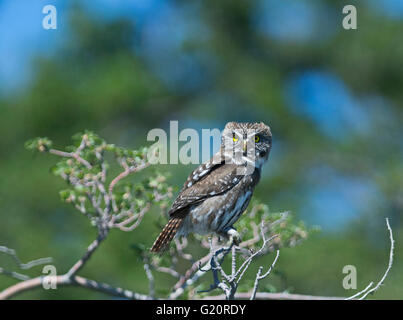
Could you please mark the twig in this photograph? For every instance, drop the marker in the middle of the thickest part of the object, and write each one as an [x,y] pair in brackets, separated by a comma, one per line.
[134,217]
[150,278]
[21,265]
[90,250]
[169,271]
[361,292]
[125,173]
[369,290]
[74,155]
[273,296]
[259,275]
[191,276]
[13,274]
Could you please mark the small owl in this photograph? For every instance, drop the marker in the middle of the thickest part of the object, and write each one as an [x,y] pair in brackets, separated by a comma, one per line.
[217,192]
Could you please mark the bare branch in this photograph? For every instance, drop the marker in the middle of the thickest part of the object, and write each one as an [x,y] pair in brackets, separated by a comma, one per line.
[361,292]
[125,173]
[13,274]
[255,254]
[369,290]
[97,202]
[169,271]
[191,276]
[274,296]
[24,266]
[73,281]
[229,283]
[90,250]
[180,245]
[259,275]
[136,218]
[74,155]
[150,277]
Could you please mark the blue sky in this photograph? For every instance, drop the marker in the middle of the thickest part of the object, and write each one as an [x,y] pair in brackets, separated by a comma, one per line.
[21,37]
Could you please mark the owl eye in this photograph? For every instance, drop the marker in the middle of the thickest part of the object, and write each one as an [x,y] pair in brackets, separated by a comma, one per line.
[235,139]
[257,138]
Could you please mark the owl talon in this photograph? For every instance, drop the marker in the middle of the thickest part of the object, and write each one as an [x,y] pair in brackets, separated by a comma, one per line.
[234,237]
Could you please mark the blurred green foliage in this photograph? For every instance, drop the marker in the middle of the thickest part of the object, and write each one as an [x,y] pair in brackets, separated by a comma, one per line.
[100,80]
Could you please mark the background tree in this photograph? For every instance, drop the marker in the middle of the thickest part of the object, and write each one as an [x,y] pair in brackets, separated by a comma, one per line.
[332,98]
[115,203]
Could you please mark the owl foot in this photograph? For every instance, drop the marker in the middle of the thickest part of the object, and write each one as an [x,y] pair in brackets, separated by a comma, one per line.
[234,237]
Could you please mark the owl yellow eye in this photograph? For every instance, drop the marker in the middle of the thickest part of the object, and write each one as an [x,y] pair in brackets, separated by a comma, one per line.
[235,139]
[257,138]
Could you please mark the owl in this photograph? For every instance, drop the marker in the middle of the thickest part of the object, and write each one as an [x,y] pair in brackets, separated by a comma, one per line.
[217,192]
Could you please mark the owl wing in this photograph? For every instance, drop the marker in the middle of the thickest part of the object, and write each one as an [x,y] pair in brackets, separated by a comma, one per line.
[203,170]
[209,179]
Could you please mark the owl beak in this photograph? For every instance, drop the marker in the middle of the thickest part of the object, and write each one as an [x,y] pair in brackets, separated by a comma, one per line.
[244,147]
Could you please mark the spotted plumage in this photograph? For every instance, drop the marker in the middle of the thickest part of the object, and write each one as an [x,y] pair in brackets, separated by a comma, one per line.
[217,192]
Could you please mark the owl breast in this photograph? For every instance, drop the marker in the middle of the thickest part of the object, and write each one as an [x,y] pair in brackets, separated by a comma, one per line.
[218,214]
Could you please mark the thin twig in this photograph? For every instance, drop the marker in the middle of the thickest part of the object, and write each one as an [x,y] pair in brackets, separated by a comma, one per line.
[21,265]
[134,217]
[273,296]
[73,155]
[150,278]
[259,275]
[361,292]
[125,173]
[369,290]
[13,274]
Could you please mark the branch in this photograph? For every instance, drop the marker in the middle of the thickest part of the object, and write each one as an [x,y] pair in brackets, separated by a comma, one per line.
[74,155]
[125,173]
[73,281]
[13,274]
[150,278]
[90,250]
[21,265]
[88,178]
[369,290]
[135,218]
[273,296]
[259,275]
[190,277]
[199,268]
[229,283]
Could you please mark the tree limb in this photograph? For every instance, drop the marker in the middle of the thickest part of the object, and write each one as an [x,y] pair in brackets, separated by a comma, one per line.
[76,281]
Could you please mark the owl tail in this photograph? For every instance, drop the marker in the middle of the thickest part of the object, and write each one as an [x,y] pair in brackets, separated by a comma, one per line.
[167,234]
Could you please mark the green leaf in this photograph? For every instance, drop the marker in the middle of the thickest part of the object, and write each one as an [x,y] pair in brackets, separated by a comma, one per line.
[39,144]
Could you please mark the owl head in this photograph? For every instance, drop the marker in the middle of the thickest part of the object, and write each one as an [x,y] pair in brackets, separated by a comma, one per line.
[247,141]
